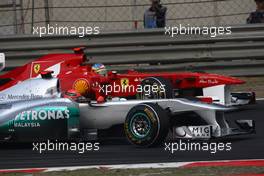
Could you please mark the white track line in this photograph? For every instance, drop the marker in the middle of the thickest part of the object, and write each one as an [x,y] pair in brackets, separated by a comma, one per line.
[106,167]
[141,166]
[122,166]
[125,166]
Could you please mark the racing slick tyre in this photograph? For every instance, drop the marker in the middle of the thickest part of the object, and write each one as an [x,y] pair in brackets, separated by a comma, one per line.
[155,88]
[146,125]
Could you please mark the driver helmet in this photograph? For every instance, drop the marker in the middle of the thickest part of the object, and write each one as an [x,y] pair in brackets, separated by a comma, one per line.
[100,69]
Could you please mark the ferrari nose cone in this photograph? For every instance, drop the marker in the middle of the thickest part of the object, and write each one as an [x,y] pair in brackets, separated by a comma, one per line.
[231,80]
[208,80]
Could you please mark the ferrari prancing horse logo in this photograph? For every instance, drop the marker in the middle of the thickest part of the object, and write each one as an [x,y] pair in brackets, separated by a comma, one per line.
[37,68]
[124,82]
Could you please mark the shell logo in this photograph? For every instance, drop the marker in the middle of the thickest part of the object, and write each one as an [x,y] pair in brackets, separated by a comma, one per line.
[82,86]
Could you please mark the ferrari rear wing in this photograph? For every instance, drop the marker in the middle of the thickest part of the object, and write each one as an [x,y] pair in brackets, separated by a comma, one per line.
[2,61]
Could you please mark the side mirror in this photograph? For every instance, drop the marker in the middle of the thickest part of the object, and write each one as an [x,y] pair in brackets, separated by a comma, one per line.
[46,74]
[2,61]
[112,74]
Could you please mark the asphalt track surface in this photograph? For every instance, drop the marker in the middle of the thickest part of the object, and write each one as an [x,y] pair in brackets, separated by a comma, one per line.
[120,152]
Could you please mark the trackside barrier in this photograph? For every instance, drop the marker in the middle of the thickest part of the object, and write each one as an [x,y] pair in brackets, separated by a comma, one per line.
[238,54]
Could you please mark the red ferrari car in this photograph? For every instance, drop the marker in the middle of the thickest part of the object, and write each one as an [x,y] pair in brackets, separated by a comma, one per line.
[75,73]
